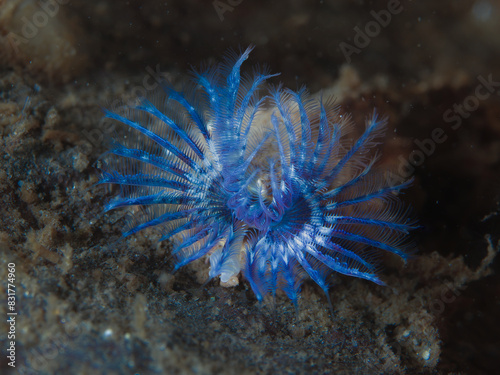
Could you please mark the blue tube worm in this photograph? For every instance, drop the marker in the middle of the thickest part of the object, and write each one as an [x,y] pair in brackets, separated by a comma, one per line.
[267,185]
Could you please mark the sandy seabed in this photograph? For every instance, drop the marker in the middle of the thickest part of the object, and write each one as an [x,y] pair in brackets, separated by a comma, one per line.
[90,304]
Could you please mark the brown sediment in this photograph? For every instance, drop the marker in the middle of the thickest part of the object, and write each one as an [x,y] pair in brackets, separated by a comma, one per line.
[42,39]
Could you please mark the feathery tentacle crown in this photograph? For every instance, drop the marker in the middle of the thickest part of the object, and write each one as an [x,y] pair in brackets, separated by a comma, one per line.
[268,185]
